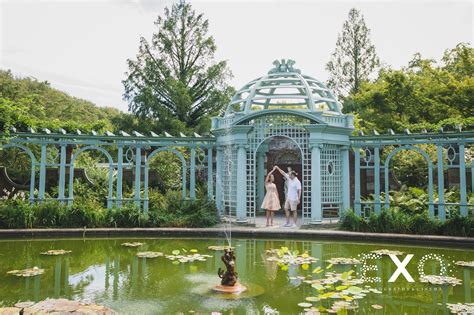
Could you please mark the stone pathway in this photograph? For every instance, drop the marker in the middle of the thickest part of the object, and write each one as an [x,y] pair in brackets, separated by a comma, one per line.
[56,306]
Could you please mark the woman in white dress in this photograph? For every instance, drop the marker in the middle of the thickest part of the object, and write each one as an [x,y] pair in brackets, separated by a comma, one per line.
[271,202]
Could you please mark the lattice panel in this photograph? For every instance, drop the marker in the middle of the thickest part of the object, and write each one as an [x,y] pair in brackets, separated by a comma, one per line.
[331,180]
[278,125]
[229,180]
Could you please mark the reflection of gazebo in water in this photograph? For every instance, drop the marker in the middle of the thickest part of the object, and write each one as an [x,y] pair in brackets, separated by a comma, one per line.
[292,120]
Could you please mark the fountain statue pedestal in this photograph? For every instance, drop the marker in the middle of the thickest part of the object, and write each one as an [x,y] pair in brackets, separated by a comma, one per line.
[232,289]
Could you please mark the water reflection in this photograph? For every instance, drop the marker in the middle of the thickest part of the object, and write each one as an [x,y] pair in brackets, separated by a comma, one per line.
[108,273]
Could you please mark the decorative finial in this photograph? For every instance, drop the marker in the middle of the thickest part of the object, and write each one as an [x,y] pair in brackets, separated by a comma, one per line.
[283,66]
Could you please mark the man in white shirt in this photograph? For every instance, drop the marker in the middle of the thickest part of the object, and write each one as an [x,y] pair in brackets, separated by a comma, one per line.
[293,197]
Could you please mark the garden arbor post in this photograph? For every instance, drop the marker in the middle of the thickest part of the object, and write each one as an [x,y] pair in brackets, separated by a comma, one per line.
[462,181]
[192,174]
[210,185]
[357,180]
[345,179]
[119,174]
[377,179]
[42,175]
[316,211]
[62,173]
[138,162]
[441,204]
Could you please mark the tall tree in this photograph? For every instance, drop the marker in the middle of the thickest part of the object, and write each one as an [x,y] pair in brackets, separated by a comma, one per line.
[427,94]
[354,58]
[175,78]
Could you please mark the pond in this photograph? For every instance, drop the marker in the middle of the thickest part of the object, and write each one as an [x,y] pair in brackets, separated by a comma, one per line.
[108,273]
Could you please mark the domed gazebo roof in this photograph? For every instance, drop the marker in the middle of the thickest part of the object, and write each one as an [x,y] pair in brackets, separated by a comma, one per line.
[284,87]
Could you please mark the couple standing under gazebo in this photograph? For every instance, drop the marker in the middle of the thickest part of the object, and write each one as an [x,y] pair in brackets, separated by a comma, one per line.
[271,202]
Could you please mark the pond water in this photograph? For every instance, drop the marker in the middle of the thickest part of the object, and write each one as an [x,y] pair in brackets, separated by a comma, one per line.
[110,274]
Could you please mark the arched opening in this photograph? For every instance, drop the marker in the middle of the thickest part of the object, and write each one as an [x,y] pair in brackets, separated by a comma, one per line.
[165,166]
[423,196]
[17,171]
[93,169]
[284,152]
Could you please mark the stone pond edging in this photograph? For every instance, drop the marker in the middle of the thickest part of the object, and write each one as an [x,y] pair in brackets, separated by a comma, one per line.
[280,233]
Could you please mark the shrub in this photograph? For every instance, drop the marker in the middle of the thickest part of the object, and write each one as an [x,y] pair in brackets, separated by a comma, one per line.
[168,211]
[396,221]
[184,213]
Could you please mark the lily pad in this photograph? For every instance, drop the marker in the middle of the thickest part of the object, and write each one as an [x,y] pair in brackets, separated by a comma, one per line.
[465,263]
[377,307]
[305,304]
[435,279]
[287,257]
[387,252]
[176,258]
[133,244]
[343,261]
[31,272]
[149,254]
[467,308]
[56,252]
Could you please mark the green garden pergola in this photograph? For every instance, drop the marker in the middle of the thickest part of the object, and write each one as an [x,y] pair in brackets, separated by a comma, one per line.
[283,105]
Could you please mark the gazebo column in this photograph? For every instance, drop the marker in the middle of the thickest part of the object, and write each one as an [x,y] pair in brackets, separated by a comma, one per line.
[346,190]
[219,165]
[241,210]
[260,177]
[316,210]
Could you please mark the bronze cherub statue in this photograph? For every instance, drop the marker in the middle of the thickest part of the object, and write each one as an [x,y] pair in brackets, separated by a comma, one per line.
[229,277]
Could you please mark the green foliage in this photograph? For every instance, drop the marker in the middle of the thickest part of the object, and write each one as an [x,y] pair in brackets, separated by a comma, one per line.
[26,102]
[396,221]
[413,200]
[184,213]
[170,212]
[354,58]
[174,77]
[424,95]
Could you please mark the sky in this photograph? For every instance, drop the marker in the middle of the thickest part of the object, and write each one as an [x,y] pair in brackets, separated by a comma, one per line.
[81,47]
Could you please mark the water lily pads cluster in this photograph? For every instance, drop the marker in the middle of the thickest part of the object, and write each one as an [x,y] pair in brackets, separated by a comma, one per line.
[133,244]
[177,257]
[31,272]
[343,261]
[57,306]
[387,252]
[435,279]
[56,252]
[459,308]
[286,257]
[465,263]
[149,254]
[340,290]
